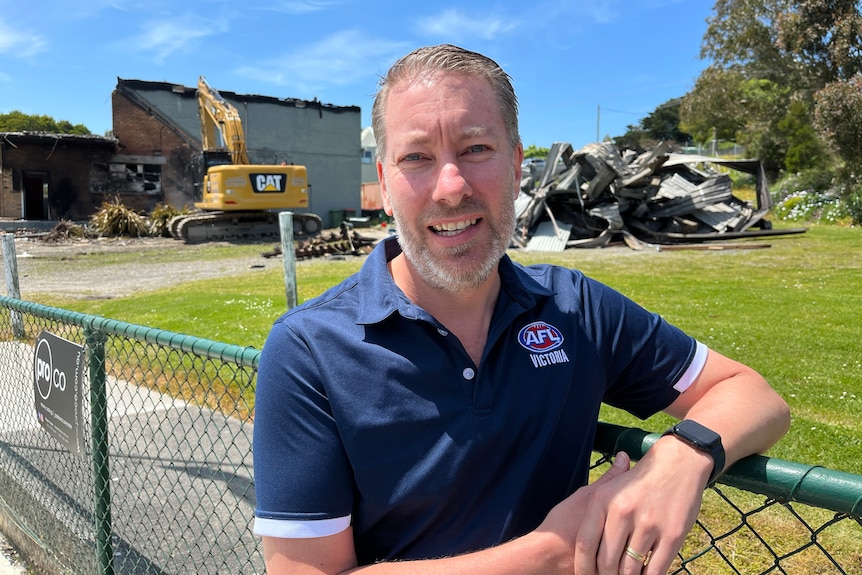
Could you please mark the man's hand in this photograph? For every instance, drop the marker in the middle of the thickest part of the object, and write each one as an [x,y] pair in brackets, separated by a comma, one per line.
[564,520]
[649,509]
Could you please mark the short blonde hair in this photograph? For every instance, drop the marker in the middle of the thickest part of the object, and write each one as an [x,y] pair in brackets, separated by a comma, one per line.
[446,58]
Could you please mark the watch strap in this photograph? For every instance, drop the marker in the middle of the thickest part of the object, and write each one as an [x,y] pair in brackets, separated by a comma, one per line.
[688,432]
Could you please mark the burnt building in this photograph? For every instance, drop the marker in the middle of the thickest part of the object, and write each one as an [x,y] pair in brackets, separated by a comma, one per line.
[53,176]
[152,155]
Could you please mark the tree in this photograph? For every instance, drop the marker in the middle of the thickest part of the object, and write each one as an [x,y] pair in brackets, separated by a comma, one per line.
[533,151]
[771,62]
[17,121]
[662,124]
[805,151]
[824,36]
[635,138]
[764,103]
[713,108]
[838,104]
[741,35]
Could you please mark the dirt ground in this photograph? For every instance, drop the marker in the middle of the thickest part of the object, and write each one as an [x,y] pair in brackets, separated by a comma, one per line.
[68,274]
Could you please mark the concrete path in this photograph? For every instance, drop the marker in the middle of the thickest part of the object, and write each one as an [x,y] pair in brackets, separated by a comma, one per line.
[10,563]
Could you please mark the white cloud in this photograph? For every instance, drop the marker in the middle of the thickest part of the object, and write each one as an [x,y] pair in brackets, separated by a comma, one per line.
[455,24]
[161,38]
[301,6]
[19,43]
[601,11]
[337,60]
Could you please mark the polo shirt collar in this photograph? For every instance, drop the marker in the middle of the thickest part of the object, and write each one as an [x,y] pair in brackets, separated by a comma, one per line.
[380,297]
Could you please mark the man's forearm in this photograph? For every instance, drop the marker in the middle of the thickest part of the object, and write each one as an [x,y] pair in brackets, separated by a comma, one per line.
[742,408]
[549,549]
[749,424]
[533,554]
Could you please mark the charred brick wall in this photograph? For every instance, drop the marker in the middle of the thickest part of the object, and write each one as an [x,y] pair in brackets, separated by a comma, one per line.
[143,134]
[10,200]
[63,164]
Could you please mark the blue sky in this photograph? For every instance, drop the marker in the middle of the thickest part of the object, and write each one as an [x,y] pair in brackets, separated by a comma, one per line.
[580,67]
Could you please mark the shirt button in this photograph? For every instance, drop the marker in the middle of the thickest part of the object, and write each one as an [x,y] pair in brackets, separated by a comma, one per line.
[468,373]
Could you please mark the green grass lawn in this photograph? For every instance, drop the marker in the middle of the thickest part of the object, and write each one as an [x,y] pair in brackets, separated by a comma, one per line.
[793,311]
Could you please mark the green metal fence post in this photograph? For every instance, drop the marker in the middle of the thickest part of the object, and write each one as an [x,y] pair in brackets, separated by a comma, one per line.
[99,430]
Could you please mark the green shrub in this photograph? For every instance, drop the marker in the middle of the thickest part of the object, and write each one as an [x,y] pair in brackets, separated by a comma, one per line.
[853,202]
[812,206]
[813,196]
[808,180]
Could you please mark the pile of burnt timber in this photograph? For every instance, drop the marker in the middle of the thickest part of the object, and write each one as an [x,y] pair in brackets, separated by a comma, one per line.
[346,242]
[596,195]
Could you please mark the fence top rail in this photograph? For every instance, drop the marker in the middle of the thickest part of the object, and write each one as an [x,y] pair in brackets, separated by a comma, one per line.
[244,356]
[778,479]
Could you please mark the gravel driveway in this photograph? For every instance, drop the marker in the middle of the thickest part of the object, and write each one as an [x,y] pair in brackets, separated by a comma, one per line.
[60,269]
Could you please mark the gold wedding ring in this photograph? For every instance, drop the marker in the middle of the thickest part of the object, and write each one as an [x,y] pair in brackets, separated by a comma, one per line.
[638,556]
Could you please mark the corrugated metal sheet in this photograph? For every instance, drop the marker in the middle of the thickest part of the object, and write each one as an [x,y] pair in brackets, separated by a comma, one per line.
[522,202]
[371,198]
[547,239]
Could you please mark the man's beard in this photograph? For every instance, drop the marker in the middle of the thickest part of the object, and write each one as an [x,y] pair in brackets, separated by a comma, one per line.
[458,270]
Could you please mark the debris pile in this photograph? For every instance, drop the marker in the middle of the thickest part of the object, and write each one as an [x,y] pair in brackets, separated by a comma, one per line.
[597,195]
[346,242]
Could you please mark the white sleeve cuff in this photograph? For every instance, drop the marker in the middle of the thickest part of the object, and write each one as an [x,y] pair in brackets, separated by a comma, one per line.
[694,368]
[300,529]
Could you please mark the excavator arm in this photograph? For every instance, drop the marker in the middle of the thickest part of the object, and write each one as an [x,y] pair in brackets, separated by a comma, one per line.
[221,125]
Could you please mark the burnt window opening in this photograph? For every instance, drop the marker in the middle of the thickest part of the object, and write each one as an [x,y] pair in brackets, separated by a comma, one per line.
[137,178]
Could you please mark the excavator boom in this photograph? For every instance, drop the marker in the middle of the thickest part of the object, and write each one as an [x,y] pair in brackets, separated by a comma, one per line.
[221,125]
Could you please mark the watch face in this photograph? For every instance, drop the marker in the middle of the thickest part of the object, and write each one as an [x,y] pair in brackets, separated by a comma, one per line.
[696,433]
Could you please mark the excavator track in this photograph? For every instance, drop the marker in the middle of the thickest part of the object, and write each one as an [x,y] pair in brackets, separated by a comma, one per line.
[227,226]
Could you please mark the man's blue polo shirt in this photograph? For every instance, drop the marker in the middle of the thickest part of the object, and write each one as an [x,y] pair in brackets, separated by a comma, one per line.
[368,410]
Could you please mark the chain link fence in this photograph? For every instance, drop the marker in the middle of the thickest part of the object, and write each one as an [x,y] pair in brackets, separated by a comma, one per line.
[163,481]
[765,515]
[141,463]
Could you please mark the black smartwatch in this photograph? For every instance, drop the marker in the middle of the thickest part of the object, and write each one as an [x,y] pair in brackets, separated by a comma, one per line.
[701,438]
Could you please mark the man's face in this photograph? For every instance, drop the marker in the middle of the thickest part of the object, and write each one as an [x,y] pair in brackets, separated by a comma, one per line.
[449,177]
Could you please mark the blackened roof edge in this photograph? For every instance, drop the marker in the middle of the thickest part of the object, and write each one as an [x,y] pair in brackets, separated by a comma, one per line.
[48,136]
[190,92]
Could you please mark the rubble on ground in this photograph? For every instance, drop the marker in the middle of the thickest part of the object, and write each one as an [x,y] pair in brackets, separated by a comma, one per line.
[345,242]
[597,195]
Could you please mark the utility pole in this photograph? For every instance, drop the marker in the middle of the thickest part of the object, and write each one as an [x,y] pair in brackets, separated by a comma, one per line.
[598,120]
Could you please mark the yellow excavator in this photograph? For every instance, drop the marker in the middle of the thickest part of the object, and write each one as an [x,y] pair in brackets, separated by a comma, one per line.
[236,199]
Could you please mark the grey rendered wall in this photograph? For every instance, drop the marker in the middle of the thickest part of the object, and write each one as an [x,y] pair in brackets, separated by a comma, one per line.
[324,140]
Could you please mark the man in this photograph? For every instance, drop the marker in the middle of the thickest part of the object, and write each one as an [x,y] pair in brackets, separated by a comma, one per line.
[435,413]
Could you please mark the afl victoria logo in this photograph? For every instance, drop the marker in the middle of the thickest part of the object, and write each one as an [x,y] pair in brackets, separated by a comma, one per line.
[540,337]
